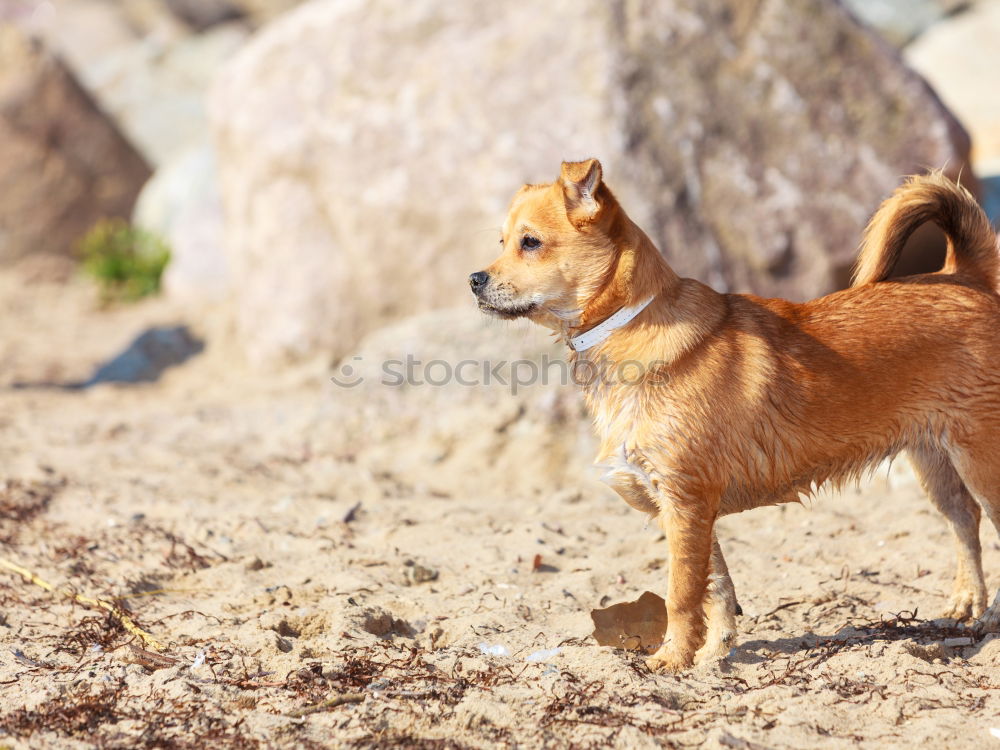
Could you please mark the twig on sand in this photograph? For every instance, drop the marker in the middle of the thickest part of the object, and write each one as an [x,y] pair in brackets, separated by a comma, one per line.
[159,592]
[117,612]
[337,700]
[151,659]
[352,512]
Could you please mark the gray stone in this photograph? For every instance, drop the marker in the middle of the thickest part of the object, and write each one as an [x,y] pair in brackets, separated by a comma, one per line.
[63,163]
[368,150]
[961,59]
[181,204]
[144,67]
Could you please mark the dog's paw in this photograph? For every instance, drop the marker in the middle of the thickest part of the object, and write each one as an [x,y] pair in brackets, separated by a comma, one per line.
[965,605]
[668,659]
[717,646]
[989,621]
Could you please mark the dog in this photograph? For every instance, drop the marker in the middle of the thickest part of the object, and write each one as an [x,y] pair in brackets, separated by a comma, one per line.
[744,401]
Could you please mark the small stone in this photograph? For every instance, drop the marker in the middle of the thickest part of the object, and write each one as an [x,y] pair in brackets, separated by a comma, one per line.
[414,573]
[283,644]
[257,564]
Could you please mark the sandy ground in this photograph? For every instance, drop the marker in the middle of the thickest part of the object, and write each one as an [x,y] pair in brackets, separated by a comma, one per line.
[296,545]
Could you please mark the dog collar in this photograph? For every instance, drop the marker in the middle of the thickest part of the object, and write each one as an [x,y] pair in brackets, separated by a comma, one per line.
[601,331]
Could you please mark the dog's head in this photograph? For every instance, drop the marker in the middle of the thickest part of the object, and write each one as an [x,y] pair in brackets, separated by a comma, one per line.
[558,248]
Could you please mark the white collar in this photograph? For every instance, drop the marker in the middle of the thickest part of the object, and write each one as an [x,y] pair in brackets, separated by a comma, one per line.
[600,332]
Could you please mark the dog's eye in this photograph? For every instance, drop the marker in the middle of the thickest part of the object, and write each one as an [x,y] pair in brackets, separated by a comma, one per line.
[530,243]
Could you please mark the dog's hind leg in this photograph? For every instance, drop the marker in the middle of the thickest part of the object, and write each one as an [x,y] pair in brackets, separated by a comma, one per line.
[950,495]
[721,608]
[978,463]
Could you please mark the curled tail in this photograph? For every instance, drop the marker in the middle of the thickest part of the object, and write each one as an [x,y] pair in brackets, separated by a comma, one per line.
[972,243]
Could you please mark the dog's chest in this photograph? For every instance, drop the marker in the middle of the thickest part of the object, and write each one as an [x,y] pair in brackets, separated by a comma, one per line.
[629,437]
[622,412]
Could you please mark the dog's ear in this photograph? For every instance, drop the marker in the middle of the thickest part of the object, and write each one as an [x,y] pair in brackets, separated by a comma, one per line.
[580,181]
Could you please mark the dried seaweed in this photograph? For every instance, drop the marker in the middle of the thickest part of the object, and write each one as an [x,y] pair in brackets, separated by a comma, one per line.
[21,502]
[76,713]
[93,715]
[390,692]
[93,632]
[396,739]
[182,554]
[114,610]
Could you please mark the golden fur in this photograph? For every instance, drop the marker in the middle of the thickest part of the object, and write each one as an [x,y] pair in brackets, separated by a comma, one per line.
[748,401]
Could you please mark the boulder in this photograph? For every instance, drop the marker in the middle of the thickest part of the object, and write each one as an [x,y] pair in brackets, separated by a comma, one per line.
[961,57]
[86,32]
[367,151]
[63,164]
[144,66]
[181,204]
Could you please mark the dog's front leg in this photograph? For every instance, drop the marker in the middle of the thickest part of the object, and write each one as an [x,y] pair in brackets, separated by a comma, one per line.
[720,607]
[688,525]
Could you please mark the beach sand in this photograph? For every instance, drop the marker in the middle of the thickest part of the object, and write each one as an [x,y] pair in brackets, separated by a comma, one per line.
[415,567]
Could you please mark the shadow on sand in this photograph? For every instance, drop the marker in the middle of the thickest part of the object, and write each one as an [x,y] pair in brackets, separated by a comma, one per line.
[143,361]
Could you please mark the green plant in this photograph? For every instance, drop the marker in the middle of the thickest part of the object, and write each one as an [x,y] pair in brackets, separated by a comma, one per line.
[126,261]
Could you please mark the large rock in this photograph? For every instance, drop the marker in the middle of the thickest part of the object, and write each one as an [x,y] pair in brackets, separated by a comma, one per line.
[181,203]
[144,66]
[961,59]
[63,164]
[368,150]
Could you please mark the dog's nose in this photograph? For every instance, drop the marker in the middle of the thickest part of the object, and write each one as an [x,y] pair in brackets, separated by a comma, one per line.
[478,280]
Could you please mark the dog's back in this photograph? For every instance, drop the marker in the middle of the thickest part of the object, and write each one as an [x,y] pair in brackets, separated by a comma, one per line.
[888,365]
[909,363]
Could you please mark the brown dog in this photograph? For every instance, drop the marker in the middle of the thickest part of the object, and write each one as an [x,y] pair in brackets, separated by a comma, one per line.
[732,401]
